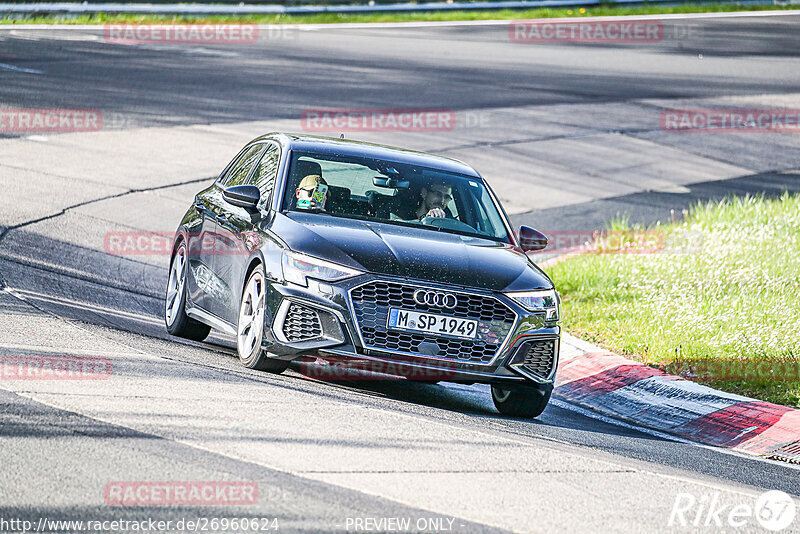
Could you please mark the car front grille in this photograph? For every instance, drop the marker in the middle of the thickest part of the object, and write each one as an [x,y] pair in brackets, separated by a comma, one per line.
[371,304]
[536,357]
[301,324]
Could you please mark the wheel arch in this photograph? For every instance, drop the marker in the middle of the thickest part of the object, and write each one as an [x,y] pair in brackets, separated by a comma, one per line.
[254,262]
[180,237]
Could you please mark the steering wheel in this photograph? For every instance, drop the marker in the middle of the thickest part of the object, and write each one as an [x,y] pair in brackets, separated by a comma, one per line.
[447,223]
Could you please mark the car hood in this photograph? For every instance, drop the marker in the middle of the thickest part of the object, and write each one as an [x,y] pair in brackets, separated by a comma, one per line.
[408,252]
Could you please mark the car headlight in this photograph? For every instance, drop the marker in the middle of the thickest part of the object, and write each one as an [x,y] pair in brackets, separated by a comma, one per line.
[297,267]
[544,300]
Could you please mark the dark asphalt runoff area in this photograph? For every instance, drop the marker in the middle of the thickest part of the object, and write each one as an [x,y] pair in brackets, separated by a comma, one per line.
[320,451]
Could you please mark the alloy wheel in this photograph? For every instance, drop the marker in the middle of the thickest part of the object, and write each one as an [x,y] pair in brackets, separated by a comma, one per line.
[177,279]
[251,316]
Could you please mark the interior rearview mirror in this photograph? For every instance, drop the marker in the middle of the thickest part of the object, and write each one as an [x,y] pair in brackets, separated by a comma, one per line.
[391,183]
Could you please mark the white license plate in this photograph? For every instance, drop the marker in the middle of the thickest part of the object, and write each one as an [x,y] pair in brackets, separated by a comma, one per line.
[432,323]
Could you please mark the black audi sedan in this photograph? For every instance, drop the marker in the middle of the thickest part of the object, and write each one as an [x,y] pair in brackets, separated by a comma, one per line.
[340,250]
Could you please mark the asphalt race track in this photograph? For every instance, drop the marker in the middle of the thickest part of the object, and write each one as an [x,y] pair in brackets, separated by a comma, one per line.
[568,134]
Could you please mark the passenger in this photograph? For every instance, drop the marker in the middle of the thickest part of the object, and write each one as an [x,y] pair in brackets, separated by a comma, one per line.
[434,200]
[306,198]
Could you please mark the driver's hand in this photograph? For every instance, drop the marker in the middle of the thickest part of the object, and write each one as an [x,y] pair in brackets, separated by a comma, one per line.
[437,212]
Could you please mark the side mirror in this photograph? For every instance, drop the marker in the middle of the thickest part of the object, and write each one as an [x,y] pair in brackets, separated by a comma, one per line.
[531,239]
[244,196]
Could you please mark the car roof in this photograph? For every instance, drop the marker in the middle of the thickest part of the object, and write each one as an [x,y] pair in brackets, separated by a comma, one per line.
[330,145]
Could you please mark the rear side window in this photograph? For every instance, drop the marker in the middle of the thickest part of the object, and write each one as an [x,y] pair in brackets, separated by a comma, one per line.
[238,174]
[266,173]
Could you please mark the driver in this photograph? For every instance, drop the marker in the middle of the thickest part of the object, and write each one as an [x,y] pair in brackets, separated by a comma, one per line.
[305,192]
[435,197]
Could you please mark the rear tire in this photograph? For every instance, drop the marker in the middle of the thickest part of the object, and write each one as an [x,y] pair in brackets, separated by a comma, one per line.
[250,326]
[177,322]
[527,402]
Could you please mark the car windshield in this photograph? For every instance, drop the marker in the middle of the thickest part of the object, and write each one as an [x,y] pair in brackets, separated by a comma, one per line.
[392,192]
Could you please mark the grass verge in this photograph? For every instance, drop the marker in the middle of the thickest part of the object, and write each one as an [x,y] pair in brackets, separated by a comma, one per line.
[330,18]
[720,302]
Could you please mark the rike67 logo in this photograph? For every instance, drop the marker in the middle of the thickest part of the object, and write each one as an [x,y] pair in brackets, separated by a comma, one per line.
[773,510]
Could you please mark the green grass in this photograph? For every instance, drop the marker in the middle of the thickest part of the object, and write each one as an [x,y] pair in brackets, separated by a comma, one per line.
[328,18]
[726,288]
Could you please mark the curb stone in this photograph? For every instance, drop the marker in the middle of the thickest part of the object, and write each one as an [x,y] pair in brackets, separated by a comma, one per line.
[612,385]
[599,380]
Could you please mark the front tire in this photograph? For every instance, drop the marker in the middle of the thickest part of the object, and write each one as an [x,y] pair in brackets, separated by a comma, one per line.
[250,327]
[527,402]
[178,323]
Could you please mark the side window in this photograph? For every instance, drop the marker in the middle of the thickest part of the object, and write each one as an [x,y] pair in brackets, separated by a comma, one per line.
[239,172]
[266,173]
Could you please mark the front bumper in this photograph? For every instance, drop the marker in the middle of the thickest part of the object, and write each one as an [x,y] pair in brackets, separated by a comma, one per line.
[322,321]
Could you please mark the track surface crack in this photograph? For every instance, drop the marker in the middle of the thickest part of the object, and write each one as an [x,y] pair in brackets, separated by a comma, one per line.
[7,229]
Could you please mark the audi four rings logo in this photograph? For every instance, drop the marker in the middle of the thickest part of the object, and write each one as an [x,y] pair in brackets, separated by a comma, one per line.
[435,298]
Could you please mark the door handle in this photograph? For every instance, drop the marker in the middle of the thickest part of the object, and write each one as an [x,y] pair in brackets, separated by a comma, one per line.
[222,218]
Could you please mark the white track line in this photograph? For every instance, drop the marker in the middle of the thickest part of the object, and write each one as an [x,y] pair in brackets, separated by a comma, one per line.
[425,24]
[14,68]
[65,352]
[23,294]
